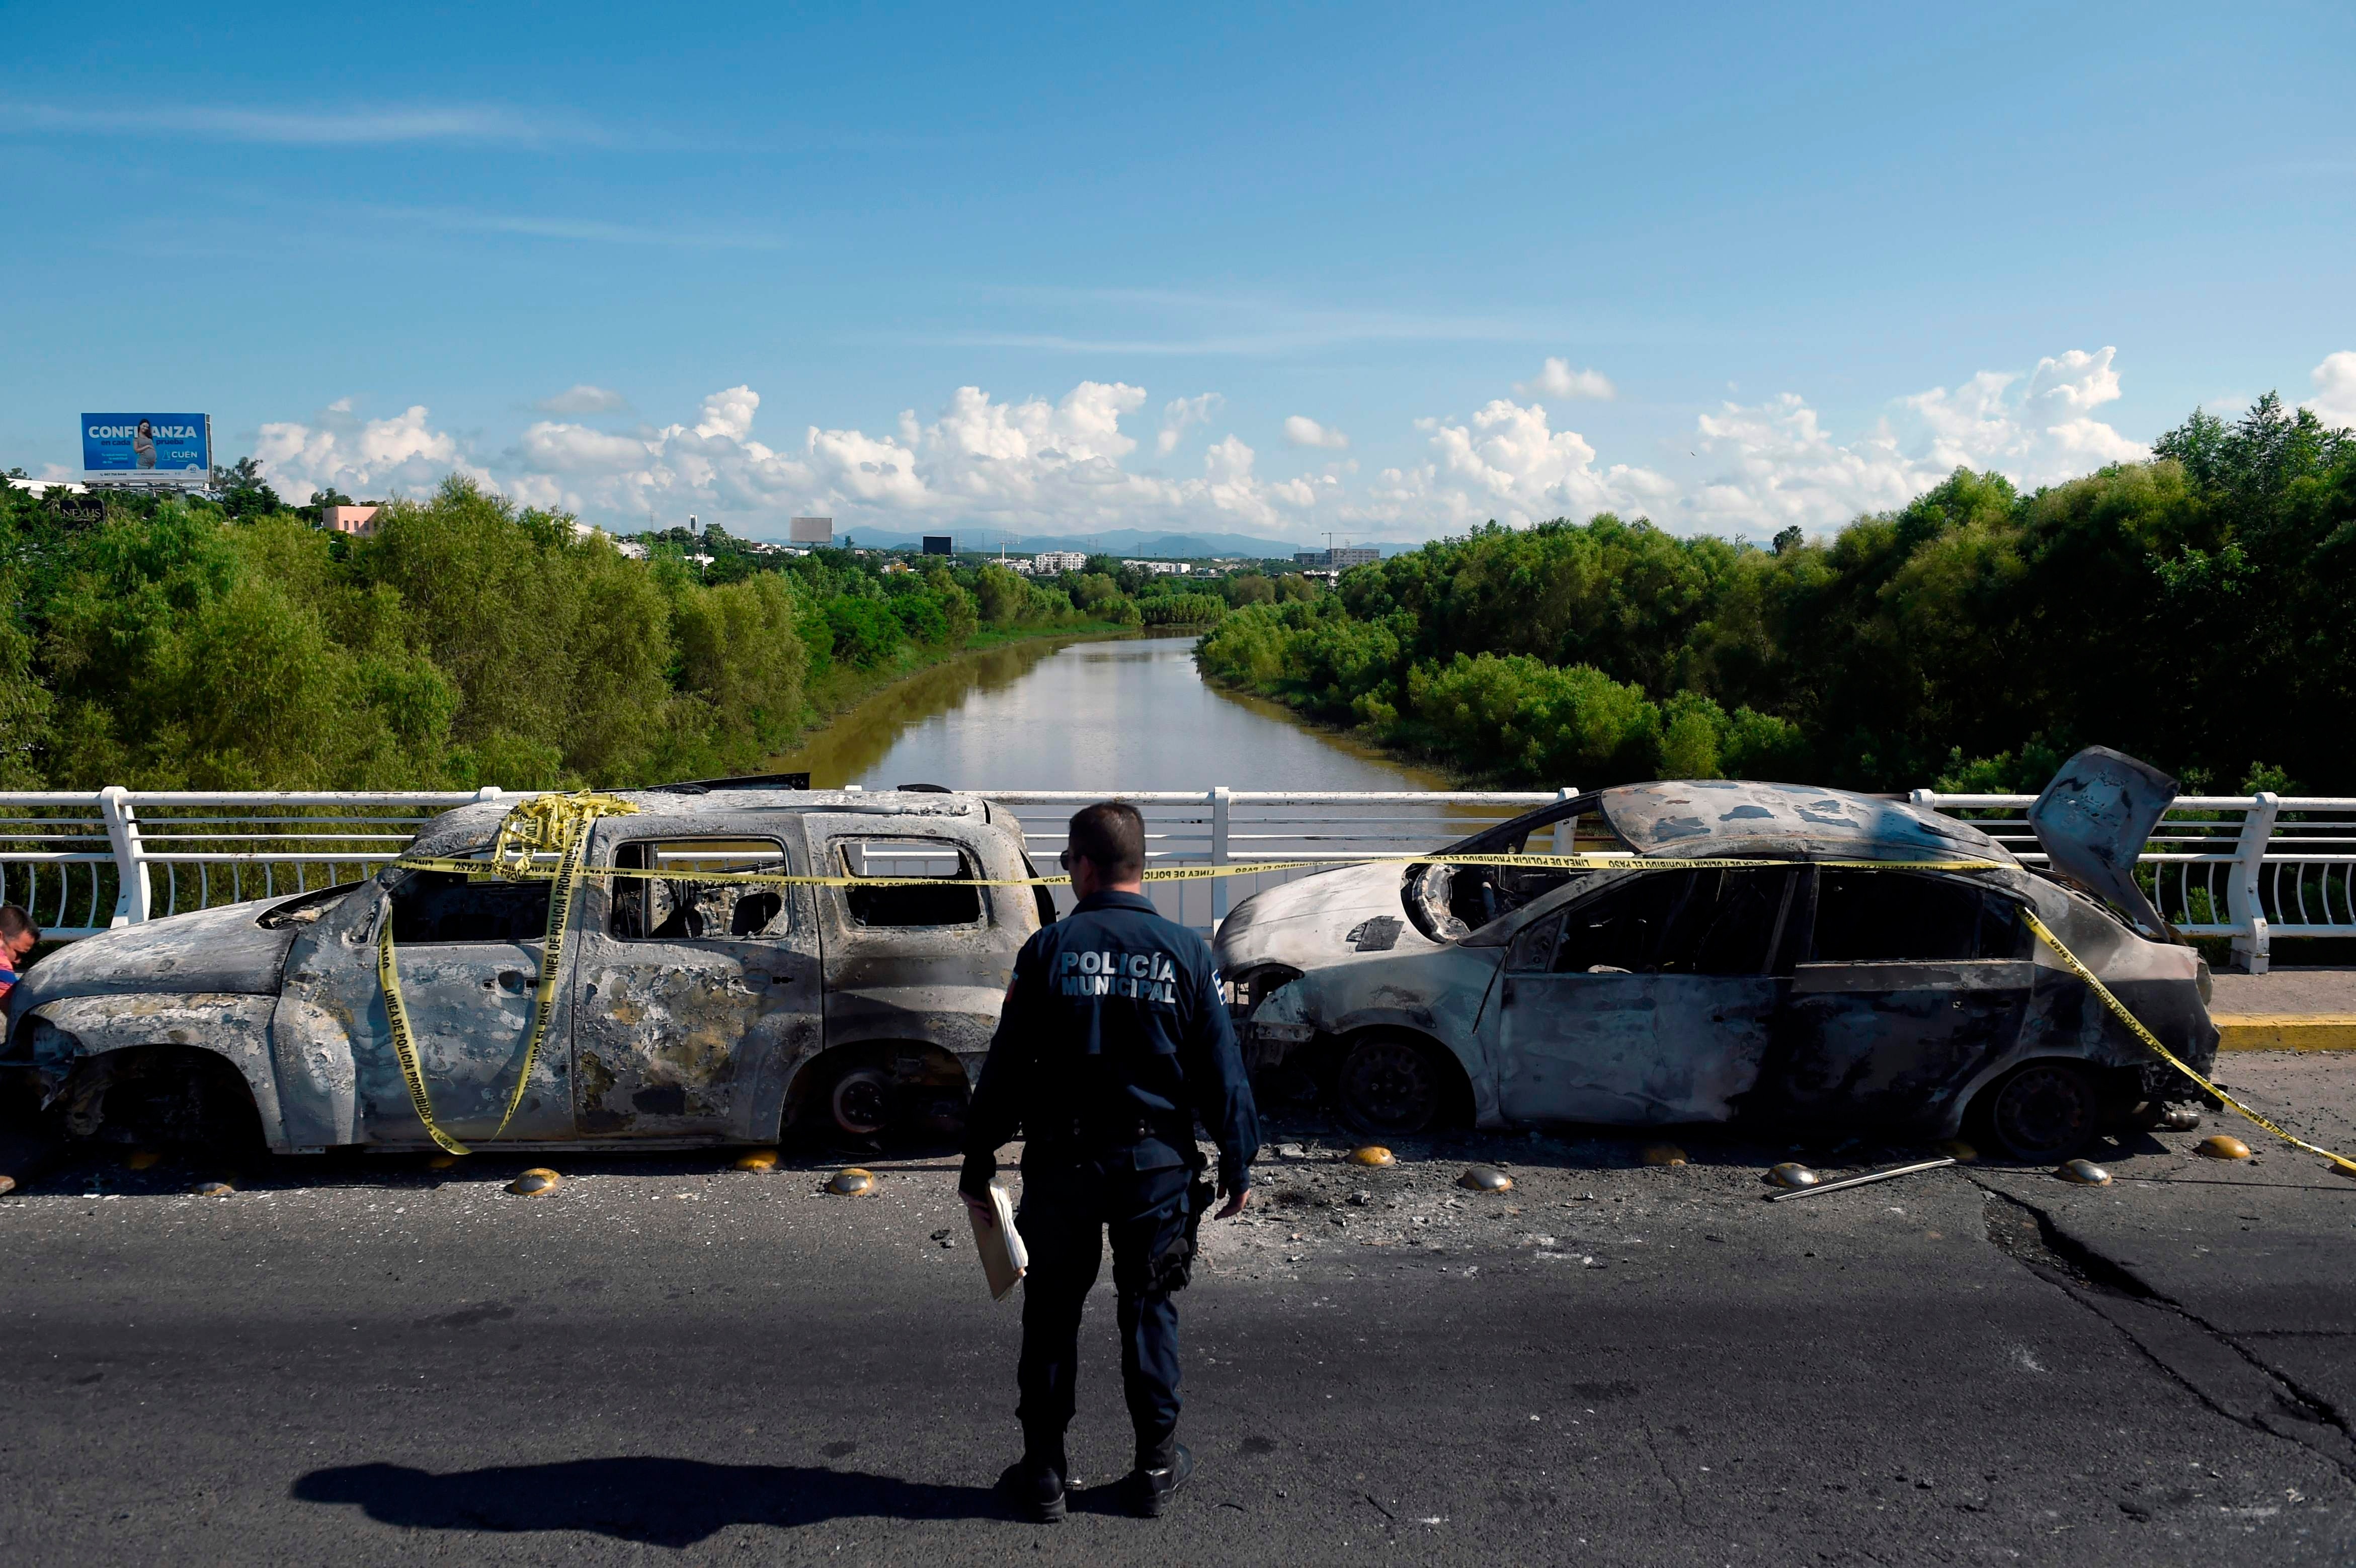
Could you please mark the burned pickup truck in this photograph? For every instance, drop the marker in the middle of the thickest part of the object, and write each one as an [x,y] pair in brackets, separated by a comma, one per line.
[690,1009]
[1873,971]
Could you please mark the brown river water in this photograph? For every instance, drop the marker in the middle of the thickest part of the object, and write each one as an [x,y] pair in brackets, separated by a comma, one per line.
[1125,714]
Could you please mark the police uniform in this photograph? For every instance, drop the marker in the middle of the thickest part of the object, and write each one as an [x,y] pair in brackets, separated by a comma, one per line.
[1113,1041]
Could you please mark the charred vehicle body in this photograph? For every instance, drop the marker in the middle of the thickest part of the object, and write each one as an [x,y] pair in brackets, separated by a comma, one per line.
[687,1011]
[1873,972]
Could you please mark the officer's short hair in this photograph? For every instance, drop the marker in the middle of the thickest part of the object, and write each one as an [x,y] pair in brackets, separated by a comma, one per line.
[1110,836]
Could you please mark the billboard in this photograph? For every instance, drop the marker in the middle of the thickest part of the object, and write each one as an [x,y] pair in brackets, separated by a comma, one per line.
[940,544]
[147,444]
[813,530]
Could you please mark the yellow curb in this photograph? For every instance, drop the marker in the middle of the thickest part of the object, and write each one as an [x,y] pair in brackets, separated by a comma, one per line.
[2285,1032]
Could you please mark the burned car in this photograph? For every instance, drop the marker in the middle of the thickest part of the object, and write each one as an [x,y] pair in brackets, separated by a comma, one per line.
[690,1010]
[1873,971]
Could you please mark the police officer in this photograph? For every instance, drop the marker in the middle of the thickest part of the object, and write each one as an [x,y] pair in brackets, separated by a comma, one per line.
[1113,1039]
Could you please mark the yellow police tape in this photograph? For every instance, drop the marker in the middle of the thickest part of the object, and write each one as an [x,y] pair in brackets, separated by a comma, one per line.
[2070,961]
[556,827]
[545,824]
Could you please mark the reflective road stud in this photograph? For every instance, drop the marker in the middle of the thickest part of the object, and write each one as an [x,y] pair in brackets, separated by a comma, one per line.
[533,1182]
[2224,1146]
[140,1160]
[759,1160]
[1373,1154]
[1790,1173]
[215,1190]
[2085,1172]
[1664,1154]
[1485,1179]
[852,1181]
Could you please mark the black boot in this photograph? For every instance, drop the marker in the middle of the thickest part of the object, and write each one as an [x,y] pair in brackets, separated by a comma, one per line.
[1159,1475]
[1033,1484]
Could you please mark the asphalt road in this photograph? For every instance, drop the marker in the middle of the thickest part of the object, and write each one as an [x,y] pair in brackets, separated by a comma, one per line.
[665,1361]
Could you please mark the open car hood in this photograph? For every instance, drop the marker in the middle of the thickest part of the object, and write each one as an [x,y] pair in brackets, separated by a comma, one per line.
[2093,821]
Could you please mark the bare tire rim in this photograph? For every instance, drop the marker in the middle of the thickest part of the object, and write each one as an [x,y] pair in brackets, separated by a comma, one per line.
[2044,1113]
[859,1101]
[1388,1086]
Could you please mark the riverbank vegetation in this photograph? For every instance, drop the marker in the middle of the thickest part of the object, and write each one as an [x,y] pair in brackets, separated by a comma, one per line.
[2193,610]
[465,642]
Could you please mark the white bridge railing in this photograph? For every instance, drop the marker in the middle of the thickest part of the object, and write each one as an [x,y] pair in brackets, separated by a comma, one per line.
[2254,868]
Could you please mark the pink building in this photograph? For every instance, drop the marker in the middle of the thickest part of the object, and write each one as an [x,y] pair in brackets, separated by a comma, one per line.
[358,519]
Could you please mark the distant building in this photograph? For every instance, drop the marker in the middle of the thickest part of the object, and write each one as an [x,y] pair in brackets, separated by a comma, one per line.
[940,544]
[1051,561]
[1347,556]
[1161,568]
[811,531]
[358,519]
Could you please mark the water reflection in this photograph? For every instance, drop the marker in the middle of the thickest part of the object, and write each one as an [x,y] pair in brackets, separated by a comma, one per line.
[1131,714]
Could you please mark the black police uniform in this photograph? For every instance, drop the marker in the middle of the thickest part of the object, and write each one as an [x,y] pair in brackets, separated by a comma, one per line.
[1113,1039]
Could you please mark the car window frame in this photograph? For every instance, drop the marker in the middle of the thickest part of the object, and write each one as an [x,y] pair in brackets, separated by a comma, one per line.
[970,862]
[789,910]
[2004,897]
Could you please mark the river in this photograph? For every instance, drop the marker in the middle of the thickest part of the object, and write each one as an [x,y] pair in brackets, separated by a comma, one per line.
[1129,714]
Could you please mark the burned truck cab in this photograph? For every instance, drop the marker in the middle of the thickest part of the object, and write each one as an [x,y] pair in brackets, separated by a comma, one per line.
[726,975]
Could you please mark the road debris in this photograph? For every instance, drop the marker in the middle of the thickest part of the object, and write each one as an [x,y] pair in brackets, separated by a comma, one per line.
[1872,1176]
[535,1182]
[2179,1118]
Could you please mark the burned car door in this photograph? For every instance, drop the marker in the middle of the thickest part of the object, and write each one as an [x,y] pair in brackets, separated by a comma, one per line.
[694,996]
[469,957]
[926,963]
[1912,981]
[1648,1001]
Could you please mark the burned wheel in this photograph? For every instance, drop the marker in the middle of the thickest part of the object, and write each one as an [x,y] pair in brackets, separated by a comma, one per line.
[862,1100]
[1387,1086]
[2046,1111]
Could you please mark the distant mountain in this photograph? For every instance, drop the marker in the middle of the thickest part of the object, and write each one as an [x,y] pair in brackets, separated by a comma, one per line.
[1136,542]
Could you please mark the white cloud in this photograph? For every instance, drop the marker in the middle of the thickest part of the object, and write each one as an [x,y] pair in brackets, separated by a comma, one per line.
[1556,378]
[1776,464]
[2335,388]
[1063,466]
[1179,414]
[374,459]
[1301,431]
[376,124]
[584,399]
[1509,464]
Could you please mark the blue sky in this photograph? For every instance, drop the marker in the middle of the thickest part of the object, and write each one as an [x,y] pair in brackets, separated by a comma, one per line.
[1384,271]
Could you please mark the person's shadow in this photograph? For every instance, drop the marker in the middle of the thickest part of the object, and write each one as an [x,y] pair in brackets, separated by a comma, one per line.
[669,1502]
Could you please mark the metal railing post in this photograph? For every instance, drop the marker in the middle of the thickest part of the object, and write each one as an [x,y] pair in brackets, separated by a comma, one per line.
[1220,799]
[2244,907]
[1565,832]
[135,899]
